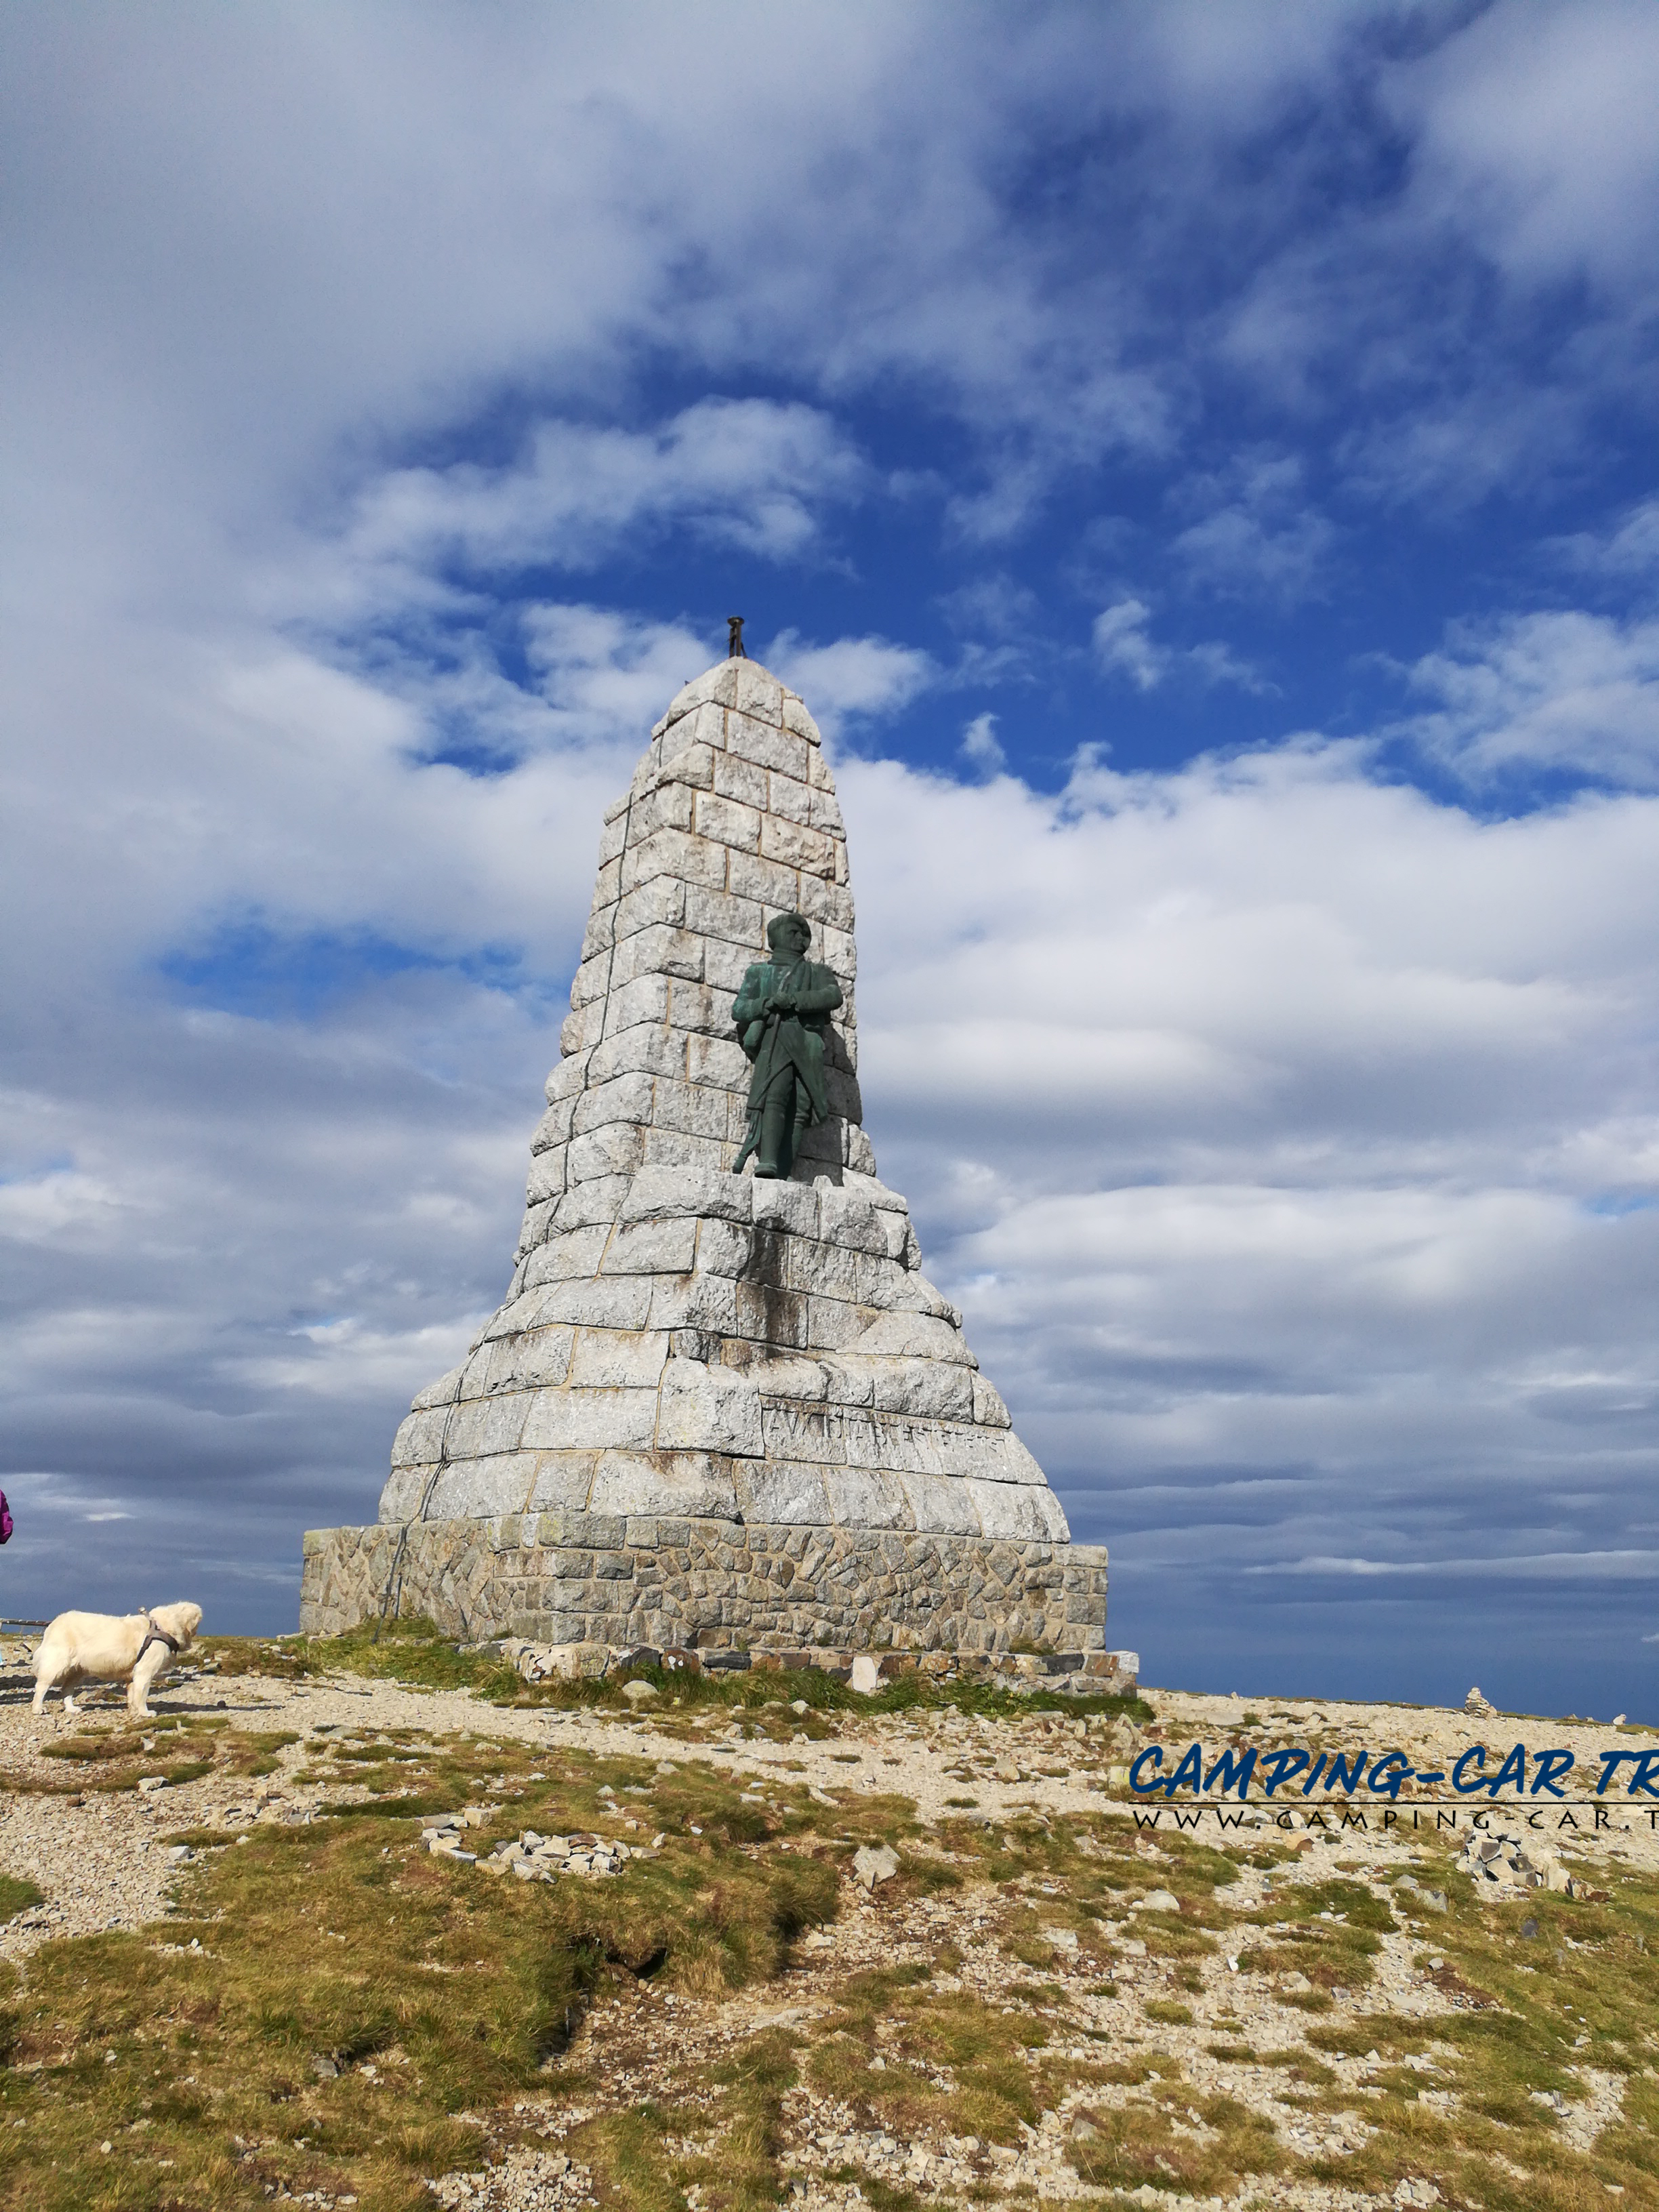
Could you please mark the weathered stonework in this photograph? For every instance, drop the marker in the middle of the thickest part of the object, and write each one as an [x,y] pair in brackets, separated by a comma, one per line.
[641,1579]
[751,1383]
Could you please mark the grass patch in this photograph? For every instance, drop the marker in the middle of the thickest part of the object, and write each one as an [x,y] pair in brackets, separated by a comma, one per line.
[353,1996]
[17,1895]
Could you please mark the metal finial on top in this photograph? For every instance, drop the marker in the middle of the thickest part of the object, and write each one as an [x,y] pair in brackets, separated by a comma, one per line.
[734,637]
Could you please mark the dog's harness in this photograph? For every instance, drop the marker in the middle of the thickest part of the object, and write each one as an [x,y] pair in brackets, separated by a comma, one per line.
[156,1635]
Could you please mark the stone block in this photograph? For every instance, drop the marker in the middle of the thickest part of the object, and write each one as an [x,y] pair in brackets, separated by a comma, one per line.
[742,780]
[696,1008]
[847,1218]
[721,914]
[657,950]
[589,983]
[728,821]
[643,999]
[771,1316]
[925,1390]
[659,902]
[651,1247]
[486,1426]
[694,1304]
[832,1324]
[659,1194]
[988,1454]
[677,853]
[717,1064]
[705,1408]
[405,1492]
[617,1359]
[827,902]
[554,1126]
[848,1381]
[590,1203]
[790,800]
[1018,1512]
[793,1206]
[642,1049]
[778,748]
[718,686]
[616,1149]
[794,846]
[567,1078]
[725,965]
[546,1179]
[622,1098]
[612,1302]
[678,1483]
[759,694]
[887,1441]
[868,1498]
[667,805]
[540,1359]
[691,1109]
[794,1430]
[724,1248]
[777,1494]
[674,1148]
[443,1392]
[797,718]
[478,1489]
[560,1487]
[781,1375]
[914,1336]
[582,1030]
[703,730]
[865,1279]
[568,1252]
[778,889]
[577,1420]
[988,1408]
[692,764]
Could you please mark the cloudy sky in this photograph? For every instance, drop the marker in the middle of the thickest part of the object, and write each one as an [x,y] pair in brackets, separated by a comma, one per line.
[1197,462]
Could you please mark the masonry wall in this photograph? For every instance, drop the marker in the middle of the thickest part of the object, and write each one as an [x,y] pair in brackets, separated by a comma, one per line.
[581,1579]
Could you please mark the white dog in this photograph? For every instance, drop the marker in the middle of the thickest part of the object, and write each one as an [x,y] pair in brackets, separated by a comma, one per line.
[106,1647]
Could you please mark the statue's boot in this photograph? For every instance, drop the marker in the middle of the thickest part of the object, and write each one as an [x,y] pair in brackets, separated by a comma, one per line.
[772,1158]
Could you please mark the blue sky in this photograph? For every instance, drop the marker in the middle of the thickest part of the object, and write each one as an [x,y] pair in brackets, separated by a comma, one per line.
[1198,464]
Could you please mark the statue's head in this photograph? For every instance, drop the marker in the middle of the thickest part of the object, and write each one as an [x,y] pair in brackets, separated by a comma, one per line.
[789,933]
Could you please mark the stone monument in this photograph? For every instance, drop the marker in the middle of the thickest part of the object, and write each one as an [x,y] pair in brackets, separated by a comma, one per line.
[720,1403]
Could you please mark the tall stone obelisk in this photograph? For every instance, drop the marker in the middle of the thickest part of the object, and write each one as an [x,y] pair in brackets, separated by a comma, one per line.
[713,1407]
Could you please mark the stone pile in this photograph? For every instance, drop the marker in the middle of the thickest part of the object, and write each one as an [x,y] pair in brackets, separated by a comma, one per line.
[1513,1861]
[534,1857]
[713,1408]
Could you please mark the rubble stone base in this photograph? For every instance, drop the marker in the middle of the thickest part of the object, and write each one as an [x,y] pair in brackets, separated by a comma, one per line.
[577,1578]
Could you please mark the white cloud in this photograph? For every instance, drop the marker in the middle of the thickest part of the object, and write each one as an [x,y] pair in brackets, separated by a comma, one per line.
[980,748]
[1563,690]
[1123,644]
[1631,548]
[1534,130]
[748,473]
[851,679]
[1256,535]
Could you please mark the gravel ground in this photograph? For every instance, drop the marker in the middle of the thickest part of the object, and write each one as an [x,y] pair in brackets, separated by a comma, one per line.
[102,1863]
[98,1863]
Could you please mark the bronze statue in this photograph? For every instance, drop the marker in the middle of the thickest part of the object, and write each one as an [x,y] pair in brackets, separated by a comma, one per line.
[781,1011]
[734,638]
